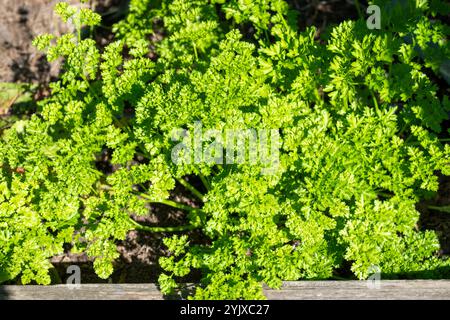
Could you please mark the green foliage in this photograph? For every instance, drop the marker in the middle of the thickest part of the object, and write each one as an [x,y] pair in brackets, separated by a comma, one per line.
[360,121]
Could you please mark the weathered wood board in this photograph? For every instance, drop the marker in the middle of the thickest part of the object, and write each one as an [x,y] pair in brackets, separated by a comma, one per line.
[295,290]
[359,290]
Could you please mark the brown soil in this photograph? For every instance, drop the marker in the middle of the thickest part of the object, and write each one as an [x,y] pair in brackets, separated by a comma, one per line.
[321,14]
[435,220]
[20,22]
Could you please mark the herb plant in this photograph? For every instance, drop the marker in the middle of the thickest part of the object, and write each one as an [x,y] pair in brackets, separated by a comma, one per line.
[358,113]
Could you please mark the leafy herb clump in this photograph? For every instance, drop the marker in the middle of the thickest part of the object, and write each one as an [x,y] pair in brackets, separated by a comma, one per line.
[357,113]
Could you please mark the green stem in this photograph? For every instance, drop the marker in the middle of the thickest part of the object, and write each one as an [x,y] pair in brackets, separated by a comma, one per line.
[191,188]
[284,21]
[162,229]
[5,127]
[375,101]
[408,139]
[170,203]
[177,205]
[267,36]
[358,8]
[418,142]
[195,51]
[402,129]
[346,102]
[205,181]
[441,209]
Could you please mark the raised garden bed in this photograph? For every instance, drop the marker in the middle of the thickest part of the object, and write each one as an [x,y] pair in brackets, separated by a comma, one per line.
[293,290]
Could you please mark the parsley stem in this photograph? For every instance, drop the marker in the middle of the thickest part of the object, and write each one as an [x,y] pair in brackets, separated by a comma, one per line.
[358,8]
[162,229]
[195,51]
[375,102]
[177,205]
[283,20]
[191,188]
[441,209]
[403,129]
[267,36]
[170,203]
[204,180]
[418,142]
